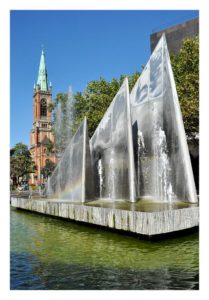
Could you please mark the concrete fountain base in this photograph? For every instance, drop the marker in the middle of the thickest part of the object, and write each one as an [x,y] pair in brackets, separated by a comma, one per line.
[135,218]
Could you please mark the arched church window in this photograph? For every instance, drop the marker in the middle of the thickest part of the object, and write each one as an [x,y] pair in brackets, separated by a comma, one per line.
[43,108]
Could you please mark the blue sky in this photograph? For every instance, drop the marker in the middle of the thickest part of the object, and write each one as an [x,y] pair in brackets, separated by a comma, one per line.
[80,46]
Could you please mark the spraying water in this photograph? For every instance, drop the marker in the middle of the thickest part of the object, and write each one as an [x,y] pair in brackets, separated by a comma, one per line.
[101,177]
[68,117]
[163,186]
[63,132]
[112,177]
[140,153]
[58,130]
[48,187]
[64,121]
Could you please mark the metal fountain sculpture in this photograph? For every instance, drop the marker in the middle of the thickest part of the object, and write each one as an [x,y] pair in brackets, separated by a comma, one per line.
[139,149]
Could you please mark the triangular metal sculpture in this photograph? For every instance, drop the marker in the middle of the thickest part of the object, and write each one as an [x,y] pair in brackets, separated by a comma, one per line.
[139,149]
[162,161]
[72,178]
[112,151]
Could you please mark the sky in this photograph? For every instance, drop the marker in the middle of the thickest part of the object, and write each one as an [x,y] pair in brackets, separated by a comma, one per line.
[79,46]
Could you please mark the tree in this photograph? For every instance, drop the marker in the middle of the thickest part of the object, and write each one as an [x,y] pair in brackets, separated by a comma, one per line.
[49,146]
[63,120]
[21,163]
[185,66]
[69,111]
[48,169]
[94,101]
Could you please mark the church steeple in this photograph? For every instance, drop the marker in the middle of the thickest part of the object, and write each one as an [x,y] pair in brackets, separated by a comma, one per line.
[41,133]
[42,74]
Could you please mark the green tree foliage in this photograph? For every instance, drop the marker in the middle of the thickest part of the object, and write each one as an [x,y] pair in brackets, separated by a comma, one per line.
[21,163]
[48,169]
[63,120]
[186,72]
[50,147]
[96,98]
[92,103]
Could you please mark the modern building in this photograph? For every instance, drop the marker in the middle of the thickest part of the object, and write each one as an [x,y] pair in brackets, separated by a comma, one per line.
[176,34]
[41,134]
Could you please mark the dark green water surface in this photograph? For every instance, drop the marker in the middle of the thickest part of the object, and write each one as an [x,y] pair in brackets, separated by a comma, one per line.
[48,253]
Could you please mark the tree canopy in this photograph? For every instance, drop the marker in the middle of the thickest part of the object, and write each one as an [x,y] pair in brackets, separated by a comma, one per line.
[21,163]
[185,66]
[95,99]
[49,167]
[92,103]
[63,121]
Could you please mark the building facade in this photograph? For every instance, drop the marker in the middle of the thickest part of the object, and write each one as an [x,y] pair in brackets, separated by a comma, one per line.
[41,135]
[176,34]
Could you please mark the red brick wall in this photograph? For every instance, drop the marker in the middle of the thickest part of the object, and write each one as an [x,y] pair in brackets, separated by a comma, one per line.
[38,150]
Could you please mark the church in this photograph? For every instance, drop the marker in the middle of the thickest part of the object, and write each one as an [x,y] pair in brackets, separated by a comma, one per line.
[41,134]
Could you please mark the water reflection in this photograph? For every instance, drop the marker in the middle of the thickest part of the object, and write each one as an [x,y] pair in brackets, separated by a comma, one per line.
[48,253]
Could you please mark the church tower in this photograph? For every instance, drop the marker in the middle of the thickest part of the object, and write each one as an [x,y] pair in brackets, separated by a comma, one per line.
[41,135]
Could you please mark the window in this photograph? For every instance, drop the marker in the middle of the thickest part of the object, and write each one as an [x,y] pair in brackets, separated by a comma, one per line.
[43,108]
[44,125]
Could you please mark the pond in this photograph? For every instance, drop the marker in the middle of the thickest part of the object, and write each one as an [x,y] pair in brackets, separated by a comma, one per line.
[49,253]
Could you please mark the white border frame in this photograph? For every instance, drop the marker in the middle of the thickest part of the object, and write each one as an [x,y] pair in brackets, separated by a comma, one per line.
[4,140]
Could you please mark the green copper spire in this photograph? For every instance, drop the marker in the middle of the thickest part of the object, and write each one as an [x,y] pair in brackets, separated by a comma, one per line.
[42,74]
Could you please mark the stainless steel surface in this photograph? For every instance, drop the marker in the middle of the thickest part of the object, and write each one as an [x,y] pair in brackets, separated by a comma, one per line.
[162,161]
[139,148]
[112,151]
[70,178]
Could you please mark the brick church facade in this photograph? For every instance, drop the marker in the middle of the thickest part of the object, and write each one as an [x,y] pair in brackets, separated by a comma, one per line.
[41,134]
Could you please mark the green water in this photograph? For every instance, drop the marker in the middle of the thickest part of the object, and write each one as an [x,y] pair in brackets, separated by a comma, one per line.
[145,205]
[48,253]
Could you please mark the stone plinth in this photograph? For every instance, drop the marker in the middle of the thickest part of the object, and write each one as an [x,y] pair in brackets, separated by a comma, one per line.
[145,223]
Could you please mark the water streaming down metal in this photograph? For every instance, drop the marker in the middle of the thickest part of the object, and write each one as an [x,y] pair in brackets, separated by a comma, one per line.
[162,161]
[138,150]
[112,151]
[72,178]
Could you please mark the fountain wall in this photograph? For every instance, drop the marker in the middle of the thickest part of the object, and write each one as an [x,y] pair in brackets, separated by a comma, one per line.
[139,149]
[72,178]
[162,161]
[112,151]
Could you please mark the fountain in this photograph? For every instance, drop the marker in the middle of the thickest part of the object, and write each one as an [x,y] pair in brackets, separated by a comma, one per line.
[140,155]
[101,178]
[156,113]
[70,179]
[163,186]
[112,143]
[68,120]
[64,119]
[135,173]
[58,130]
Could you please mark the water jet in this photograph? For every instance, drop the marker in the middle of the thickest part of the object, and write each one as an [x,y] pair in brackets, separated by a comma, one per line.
[135,169]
